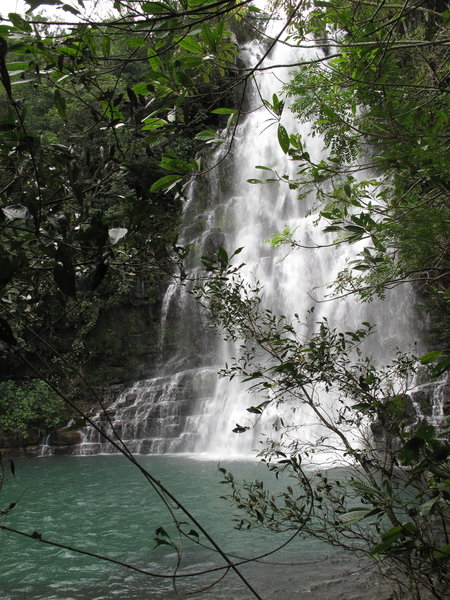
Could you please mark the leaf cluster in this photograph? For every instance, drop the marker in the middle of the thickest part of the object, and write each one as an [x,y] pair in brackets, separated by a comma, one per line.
[380,103]
[95,114]
[392,502]
[29,405]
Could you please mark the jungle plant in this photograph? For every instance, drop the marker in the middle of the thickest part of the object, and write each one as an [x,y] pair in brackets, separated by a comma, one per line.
[29,405]
[393,505]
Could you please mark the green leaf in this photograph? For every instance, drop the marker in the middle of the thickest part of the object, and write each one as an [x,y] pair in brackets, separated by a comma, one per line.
[275,103]
[355,229]
[355,515]
[207,135]
[70,9]
[363,406]
[152,123]
[222,256]
[60,104]
[162,542]
[410,452]
[428,505]
[191,61]
[257,410]
[240,429]
[188,43]
[176,165]
[132,97]
[425,432]
[161,531]
[441,367]
[388,538]
[106,46]
[218,31]
[33,4]
[17,67]
[140,88]
[156,8]
[19,22]
[154,60]
[283,138]
[4,75]
[442,552]
[208,37]
[183,78]
[430,357]
[224,111]
[135,42]
[255,375]
[165,183]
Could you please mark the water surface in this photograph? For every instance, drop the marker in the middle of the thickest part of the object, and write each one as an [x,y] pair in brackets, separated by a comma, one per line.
[104,505]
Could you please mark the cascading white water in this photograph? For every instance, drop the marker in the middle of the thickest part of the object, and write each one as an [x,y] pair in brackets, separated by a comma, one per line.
[252,213]
[187,408]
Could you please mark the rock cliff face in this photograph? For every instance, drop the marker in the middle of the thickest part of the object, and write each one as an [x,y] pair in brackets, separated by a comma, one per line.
[61,441]
[123,343]
[432,400]
[121,347]
[429,402]
[15,445]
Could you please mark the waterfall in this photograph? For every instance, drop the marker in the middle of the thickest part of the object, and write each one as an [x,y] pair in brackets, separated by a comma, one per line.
[187,408]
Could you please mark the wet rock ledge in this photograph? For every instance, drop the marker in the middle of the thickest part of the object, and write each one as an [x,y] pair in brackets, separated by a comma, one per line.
[61,441]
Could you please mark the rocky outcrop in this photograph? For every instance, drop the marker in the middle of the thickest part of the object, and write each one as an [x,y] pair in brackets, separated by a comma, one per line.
[12,446]
[64,437]
[432,400]
[61,441]
[429,403]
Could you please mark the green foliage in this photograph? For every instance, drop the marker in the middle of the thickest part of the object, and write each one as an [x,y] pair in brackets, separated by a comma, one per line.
[29,404]
[393,505]
[382,91]
[92,121]
[283,238]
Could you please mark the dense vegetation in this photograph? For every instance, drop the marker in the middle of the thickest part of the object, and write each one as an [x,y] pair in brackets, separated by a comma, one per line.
[386,91]
[100,124]
[91,119]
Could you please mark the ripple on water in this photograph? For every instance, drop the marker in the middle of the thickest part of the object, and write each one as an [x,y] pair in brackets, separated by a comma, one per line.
[119,519]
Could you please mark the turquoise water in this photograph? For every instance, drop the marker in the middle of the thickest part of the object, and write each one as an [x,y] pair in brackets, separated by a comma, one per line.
[104,505]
